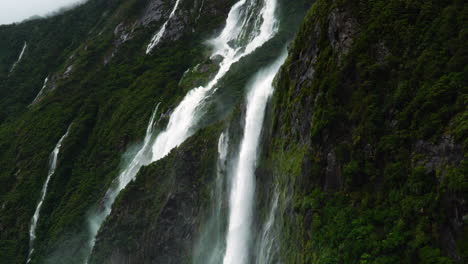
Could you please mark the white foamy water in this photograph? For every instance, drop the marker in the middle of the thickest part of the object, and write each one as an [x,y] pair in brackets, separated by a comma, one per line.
[157,37]
[239,237]
[140,159]
[228,45]
[209,248]
[266,249]
[52,166]
[41,91]
[223,144]
[20,57]
[232,45]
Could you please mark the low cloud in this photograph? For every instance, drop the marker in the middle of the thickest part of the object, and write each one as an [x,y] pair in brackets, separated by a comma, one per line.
[13,11]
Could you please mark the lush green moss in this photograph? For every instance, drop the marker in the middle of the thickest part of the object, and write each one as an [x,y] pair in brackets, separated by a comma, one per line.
[155,217]
[359,195]
[107,105]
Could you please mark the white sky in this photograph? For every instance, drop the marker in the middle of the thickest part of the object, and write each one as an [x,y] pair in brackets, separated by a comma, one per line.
[18,10]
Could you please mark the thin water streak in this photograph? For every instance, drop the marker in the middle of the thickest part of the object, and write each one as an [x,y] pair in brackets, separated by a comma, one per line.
[210,248]
[141,158]
[158,36]
[34,220]
[20,57]
[267,244]
[41,92]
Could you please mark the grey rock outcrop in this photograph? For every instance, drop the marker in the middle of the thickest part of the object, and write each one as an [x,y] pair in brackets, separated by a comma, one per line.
[341,29]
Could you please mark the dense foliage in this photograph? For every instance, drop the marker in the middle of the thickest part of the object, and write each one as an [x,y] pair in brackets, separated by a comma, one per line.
[376,138]
[106,105]
[365,138]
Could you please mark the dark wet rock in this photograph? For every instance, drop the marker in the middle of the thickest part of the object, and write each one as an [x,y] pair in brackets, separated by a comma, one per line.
[456,209]
[341,29]
[333,180]
[159,224]
[177,25]
[381,52]
[217,59]
[153,12]
[434,157]
[185,19]
[123,32]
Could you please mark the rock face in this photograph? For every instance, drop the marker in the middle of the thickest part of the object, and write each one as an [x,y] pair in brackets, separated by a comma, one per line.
[434,157]
[357,123]
[187,17]
[341,30]
[99,74]
[153,12]
[364,143]
[158,224]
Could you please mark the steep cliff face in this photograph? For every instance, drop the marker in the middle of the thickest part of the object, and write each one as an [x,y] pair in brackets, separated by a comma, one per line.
[99,80]
[369,111]
[157,219]
[363,149]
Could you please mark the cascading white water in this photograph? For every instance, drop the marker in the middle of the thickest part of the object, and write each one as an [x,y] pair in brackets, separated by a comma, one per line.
[41,91]
[223,144]
[210,248]
[243,183]
[141,158]
[52,166]
[200,10]
[157,37]
[266,246]
[231,45]
[20,57]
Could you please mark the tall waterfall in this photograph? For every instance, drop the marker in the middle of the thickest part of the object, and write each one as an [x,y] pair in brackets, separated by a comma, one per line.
[246,29]
[157,37]
[230,45]
[239,237]
[52,166]
[20,57]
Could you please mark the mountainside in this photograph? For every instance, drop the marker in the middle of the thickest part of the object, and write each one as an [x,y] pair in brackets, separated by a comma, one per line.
[236,132]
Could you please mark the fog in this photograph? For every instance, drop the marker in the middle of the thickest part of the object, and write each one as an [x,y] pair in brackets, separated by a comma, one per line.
[12,11]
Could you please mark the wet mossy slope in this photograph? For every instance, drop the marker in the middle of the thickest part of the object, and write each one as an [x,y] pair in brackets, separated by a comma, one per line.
[364,141]
[105,89]
[156,218]
[368,134]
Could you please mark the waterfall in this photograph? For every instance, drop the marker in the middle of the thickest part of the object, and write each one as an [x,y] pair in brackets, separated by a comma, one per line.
[210,249]
[223,145]
[266,248]
[52,166]
[19,58]
[157,37]
[141,158]
[239,237]
[228,45]
[240,37]
[41,91]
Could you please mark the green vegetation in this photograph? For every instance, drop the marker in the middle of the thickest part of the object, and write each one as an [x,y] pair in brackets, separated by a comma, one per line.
[107,105]
[365,138]
[159,209]
[374,120]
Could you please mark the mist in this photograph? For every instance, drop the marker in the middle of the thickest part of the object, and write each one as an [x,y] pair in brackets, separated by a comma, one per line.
[13,11]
